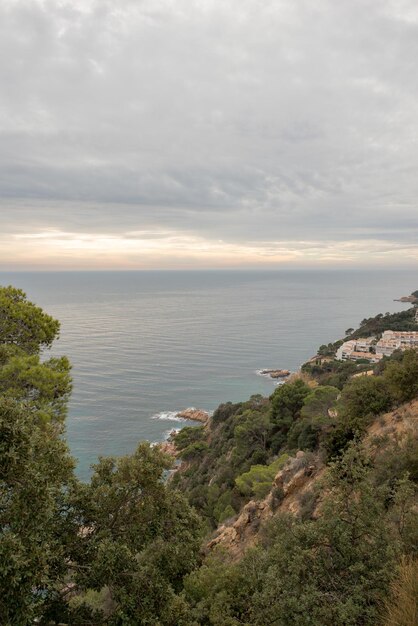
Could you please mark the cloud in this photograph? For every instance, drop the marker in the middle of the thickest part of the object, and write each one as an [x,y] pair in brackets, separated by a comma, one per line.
[243,121]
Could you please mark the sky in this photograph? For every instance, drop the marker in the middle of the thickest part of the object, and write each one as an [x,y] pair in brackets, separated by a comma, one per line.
[153,134]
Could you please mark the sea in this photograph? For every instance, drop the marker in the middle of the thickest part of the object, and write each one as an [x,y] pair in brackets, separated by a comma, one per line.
[146,344]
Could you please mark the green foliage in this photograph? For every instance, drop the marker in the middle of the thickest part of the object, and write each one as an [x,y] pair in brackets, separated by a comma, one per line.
[333,373]
[223,506]
[225,411]
[318,402]
[35,471]
[288,399]
[362,399]
[45,387]
[403,320]
[258,481]
[219,593]
[305,432]
[287,402]
[189,435]
[239,437]
[122,543]
[141,538]
[23,324]
[303,435]
[252,434]
[401,376]
[332,570]
[194,450]
[329,349]
[227,513]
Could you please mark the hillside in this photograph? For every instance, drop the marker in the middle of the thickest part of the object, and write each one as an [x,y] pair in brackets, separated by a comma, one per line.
[299,482]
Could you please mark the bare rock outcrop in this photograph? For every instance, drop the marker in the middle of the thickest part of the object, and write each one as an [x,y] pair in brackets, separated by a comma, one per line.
[296,477]
[196,415]
[168,447]
[275,373]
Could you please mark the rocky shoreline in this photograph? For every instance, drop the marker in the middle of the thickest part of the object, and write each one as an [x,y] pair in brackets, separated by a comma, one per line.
[275,373]
[196,415]
[192,414]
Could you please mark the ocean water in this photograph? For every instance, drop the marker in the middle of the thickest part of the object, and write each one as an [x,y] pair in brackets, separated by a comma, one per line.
[146,344]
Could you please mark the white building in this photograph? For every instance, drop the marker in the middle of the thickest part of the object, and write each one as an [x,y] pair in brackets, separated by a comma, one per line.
[356,349]
[396,340]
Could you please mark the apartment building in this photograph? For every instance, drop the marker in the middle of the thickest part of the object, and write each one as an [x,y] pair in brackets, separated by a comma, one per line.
[356,349]
[396,340]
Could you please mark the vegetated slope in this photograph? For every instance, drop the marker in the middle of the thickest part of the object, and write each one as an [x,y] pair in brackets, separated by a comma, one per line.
[312,498]
[299,487]
[237,455]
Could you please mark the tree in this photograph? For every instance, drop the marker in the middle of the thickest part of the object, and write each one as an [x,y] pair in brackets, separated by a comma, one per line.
[44,387]
[334,570]
[140,537]
[286,403]
[401,376]
[319,402]
[36,468]
[252,434]
[258,480]
[35,472]
[362,399]
[23,324]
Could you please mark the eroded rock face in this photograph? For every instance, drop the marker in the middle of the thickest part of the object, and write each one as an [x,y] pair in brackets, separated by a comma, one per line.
[301,477]
[196,415]
[296,477]
[168,447]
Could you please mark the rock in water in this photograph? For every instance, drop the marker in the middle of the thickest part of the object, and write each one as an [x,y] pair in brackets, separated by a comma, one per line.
[276,373]
[196,415]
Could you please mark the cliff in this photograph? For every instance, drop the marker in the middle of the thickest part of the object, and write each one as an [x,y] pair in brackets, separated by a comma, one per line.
[297,488]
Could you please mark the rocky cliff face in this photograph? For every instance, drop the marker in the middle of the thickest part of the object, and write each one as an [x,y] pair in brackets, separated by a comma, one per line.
[290,486]
[297,489]
[196,415]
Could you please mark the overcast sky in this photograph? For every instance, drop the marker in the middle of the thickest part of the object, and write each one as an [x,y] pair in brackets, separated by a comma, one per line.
[208,133]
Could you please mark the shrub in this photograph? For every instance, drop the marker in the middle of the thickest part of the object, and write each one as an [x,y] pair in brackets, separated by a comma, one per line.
[258,481]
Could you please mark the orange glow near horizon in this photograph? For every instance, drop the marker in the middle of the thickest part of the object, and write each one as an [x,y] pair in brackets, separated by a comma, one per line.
[151,249]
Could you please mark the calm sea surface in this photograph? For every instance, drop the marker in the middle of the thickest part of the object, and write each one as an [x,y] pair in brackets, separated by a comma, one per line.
[145,344]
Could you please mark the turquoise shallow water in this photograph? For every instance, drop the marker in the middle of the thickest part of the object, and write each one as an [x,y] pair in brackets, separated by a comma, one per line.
[144,344]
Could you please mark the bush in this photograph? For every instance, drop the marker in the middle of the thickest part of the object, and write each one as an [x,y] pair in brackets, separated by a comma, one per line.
[258,481]
[362,399]
[189,435]
[401,376]
[194,450]
[225,411]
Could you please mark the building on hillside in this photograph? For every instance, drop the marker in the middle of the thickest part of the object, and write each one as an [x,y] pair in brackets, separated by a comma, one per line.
[356,349]
[392,340]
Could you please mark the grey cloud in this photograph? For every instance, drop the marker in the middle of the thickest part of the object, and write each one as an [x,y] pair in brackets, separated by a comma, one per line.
[239,120]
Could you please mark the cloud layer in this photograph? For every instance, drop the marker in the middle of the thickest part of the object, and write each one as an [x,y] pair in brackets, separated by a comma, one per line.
[144,133]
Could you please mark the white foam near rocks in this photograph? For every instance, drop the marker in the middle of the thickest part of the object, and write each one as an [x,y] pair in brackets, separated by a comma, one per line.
[168,433]
[170,416]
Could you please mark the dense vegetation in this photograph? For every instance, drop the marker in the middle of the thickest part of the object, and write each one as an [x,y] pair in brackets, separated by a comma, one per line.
[123,549]
[113,551]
